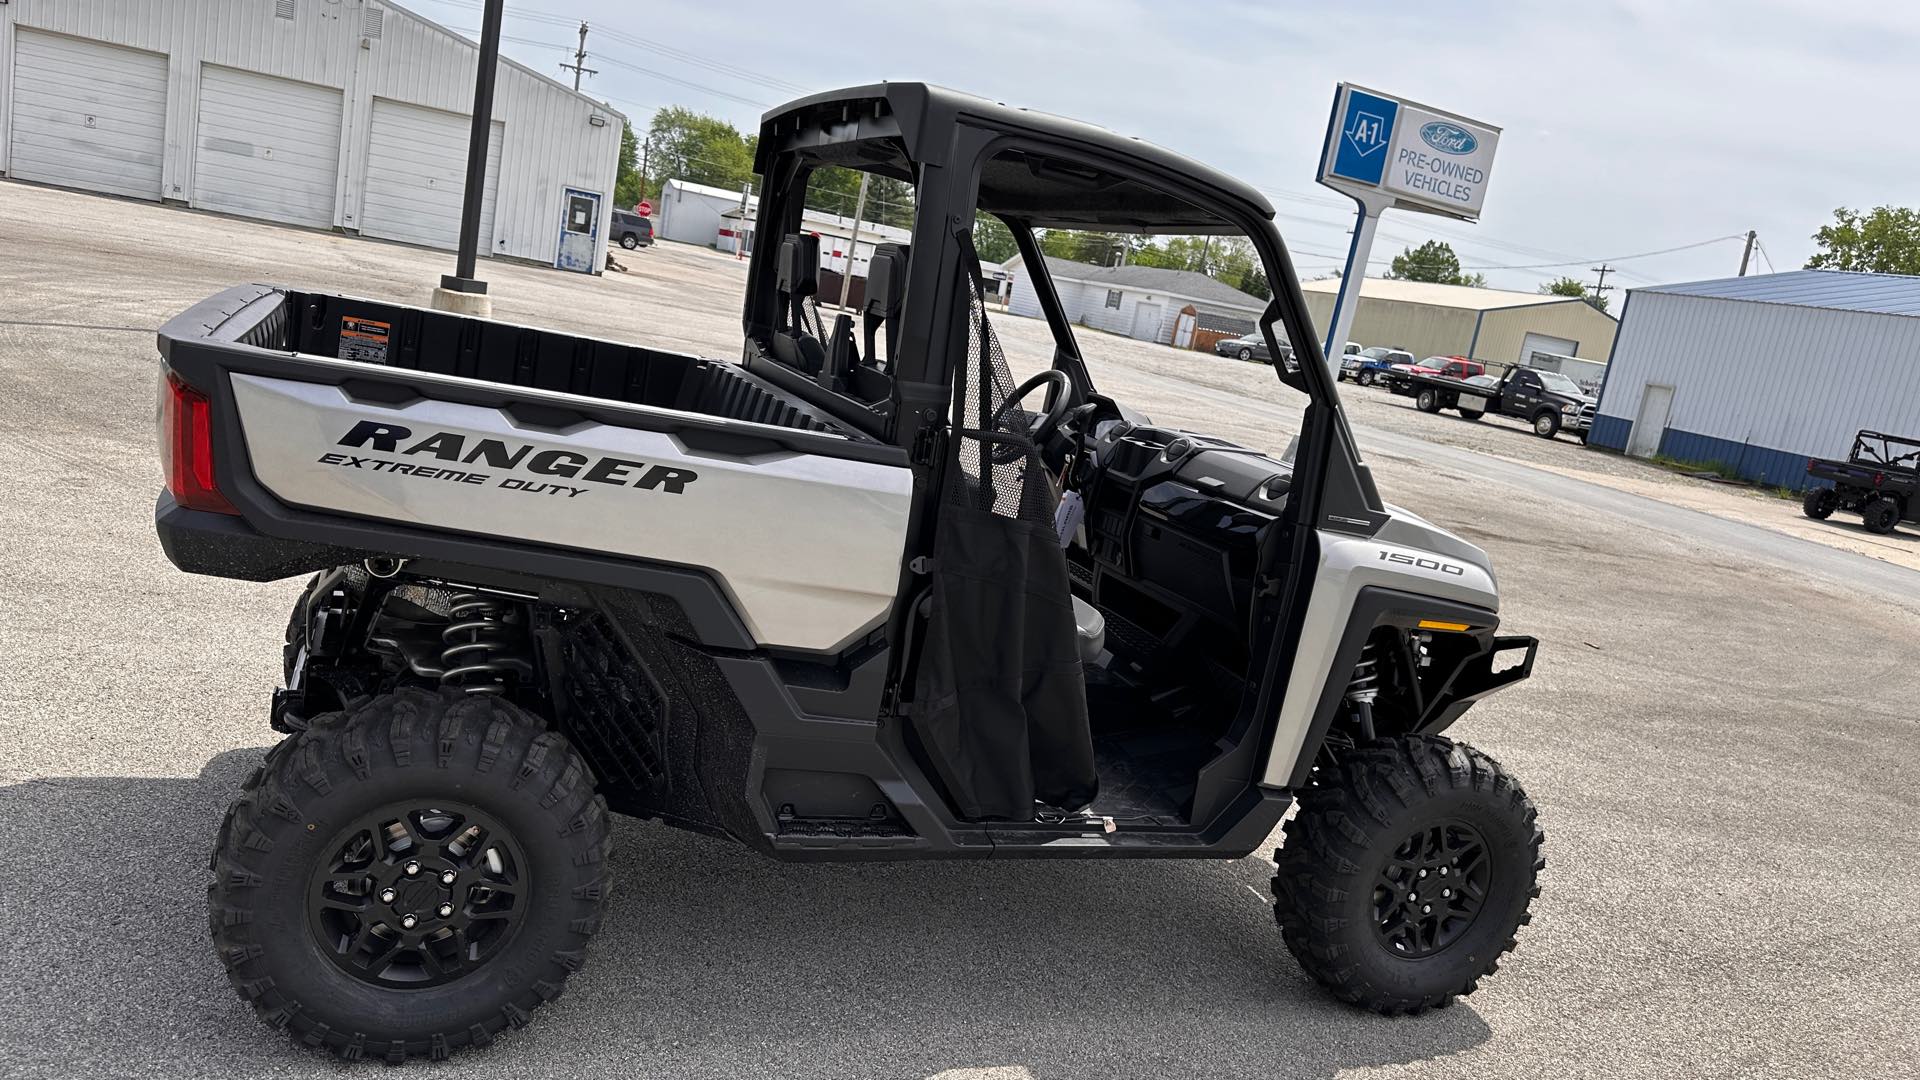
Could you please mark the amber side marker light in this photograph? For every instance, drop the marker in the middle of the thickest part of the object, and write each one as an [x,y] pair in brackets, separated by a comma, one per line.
[1436,624]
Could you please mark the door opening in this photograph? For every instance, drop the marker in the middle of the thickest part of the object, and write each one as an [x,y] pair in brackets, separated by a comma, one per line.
[579,231]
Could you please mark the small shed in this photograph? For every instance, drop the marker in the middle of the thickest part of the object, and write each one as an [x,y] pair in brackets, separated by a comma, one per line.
[1141,302]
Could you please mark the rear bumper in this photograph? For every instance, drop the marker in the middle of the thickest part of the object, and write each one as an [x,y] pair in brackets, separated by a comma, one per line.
[221,545]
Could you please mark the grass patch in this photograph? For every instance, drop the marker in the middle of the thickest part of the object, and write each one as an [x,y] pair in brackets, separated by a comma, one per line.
[1673,464]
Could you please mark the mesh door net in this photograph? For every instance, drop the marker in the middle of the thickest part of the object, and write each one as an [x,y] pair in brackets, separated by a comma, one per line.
[1002,701]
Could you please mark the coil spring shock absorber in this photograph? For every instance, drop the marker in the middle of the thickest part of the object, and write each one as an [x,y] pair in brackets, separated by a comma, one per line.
[480,646]
[1363,689]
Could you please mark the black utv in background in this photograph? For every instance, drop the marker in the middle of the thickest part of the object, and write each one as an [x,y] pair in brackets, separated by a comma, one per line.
[1879,480]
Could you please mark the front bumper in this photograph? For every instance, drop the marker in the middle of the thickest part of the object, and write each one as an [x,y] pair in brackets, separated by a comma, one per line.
[1475,678]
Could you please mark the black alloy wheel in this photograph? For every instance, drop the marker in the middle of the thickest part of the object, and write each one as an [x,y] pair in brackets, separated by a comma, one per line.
[1431,889]
[1882,515]
[1819,503]
[413,896]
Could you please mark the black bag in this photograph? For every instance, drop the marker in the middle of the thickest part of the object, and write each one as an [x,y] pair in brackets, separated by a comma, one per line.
[1001,704]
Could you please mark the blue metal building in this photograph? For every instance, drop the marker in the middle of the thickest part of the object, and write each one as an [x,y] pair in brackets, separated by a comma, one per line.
[1761,373]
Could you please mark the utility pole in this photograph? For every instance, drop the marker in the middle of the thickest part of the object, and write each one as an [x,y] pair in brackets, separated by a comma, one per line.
[460,291]
[1600,287]
[1747,255]
[579,66]
[740,234]
[853,245]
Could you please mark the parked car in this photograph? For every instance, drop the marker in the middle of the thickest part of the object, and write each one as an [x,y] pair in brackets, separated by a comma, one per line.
[1249,347]
[1368,365]
[630,230]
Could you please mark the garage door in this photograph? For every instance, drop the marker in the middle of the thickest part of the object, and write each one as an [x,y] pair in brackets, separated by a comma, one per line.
[267,148]
[1545,343]
[88,115]
[417,176]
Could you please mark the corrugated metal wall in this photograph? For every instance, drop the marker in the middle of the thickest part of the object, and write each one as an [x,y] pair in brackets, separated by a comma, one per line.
[1503,329]
[550,141]
[1421,329]
[1761,385]
[1086,305]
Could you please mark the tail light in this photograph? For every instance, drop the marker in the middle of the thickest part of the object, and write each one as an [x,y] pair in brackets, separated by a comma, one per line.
[186,447]
[1879,478]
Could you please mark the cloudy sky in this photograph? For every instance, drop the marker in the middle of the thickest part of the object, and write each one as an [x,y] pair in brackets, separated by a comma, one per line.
[1630,126]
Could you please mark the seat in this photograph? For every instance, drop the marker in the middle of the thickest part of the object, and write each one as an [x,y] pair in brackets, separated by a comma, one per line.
[886,293]
[1090,628]
[797,343]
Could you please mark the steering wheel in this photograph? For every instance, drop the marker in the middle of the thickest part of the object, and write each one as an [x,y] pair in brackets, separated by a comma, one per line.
[1056,410]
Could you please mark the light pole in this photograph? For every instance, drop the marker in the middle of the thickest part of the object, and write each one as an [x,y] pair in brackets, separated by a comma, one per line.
[460,291]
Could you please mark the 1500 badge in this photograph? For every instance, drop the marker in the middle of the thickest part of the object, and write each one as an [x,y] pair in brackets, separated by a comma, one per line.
[451,446]
[1422,562]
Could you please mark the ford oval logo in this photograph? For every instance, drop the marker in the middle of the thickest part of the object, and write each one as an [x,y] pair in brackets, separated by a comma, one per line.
[1449,138]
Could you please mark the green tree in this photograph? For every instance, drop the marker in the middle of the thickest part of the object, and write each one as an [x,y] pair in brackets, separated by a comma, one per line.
[1885,240]
[1433,261]
[1566,286]
[837,191]
[993,240]
[686,145]
[629,187]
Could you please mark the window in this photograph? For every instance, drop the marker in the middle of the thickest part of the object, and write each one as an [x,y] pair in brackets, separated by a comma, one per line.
[1113,298]
[579,214]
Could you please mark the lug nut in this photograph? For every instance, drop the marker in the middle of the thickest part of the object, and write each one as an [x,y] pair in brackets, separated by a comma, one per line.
[446,910]
[407,921]
[1443,871]
[386,896]
[1413,896]
[448,877]
[1425,909]
[1446,892]
[413,868]
[1423,873]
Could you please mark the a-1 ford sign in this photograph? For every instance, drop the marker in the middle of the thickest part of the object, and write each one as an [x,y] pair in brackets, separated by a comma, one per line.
[1423,158]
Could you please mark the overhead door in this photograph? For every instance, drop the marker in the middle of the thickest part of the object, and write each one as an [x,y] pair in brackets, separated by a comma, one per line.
[1545,343]
[267,148]
[417,173]
[88,115]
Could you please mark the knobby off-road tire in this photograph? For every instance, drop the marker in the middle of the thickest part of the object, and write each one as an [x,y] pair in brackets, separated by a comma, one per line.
[528,890]
[1882,515]
[1380,827]
[1819,503]
[296,632]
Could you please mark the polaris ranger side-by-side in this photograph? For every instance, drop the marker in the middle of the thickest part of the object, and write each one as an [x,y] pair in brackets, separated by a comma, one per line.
[1879,480]
[855,596]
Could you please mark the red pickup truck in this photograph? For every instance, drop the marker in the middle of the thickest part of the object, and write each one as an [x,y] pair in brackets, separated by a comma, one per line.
[1451,367]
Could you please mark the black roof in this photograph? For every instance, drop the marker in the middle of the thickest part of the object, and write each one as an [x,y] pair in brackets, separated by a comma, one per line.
[917,105]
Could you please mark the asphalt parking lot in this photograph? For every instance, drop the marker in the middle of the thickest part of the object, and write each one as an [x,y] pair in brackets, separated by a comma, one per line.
[1719,735]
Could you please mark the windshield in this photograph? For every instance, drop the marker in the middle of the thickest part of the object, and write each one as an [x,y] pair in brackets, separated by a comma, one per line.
[1560,384]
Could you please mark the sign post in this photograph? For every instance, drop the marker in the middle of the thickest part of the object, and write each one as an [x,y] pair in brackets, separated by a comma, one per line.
[1389,153]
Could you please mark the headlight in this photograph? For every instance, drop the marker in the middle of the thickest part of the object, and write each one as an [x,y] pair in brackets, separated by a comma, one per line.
[1569,409]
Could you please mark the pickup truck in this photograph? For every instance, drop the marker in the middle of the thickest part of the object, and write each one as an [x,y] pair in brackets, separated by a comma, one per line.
[1879,479]
[1368,366]
[1453,367]
[1547,400]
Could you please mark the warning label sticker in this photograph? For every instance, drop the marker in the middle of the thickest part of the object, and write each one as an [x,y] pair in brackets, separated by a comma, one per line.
[364,340]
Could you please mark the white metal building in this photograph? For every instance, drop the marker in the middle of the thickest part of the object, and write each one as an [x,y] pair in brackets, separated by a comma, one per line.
[1142,302]
[1760,373]
[349,114]
[691,213]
